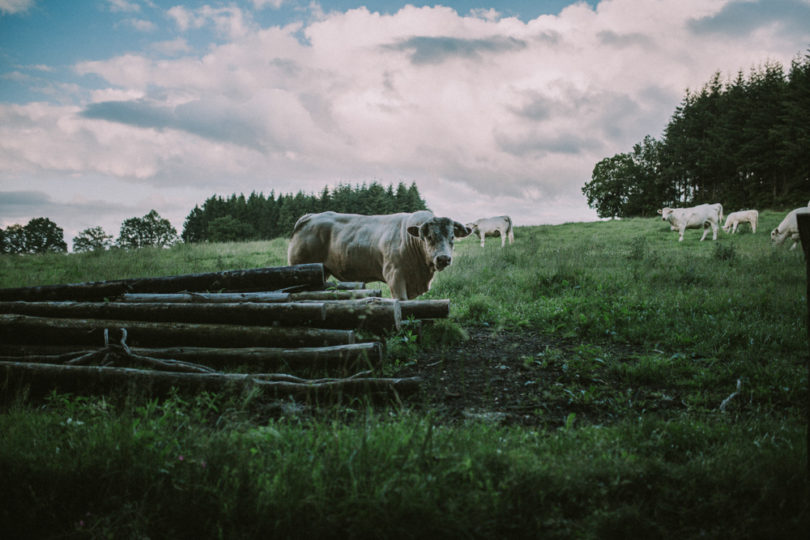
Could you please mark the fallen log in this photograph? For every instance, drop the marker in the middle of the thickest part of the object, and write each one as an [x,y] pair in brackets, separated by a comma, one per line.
[425,309]
[20,329]
[302,276]
[260,297]
[376,315]
[248,314]
[337,358]
[40,379]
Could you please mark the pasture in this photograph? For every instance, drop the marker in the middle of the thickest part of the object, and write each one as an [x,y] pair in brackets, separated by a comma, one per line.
[585,386]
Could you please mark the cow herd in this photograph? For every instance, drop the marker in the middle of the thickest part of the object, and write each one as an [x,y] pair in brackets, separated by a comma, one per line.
[406,250]
[704,216]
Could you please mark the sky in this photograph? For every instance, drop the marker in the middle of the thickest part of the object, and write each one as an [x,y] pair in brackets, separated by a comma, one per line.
[111,108]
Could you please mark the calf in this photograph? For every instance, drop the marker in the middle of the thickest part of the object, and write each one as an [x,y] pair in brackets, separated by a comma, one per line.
[743,216]
[403,250]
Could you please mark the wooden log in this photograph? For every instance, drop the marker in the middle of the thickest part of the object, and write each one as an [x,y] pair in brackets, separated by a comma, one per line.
[248,314]
[803,222]
[259,297]
[302,276]
[43,378]
[376,315]
[337,358]
[345,285]
[425,309]
[206,297]
[21,329]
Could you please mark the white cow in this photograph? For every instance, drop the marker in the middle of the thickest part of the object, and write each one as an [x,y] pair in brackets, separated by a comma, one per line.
[404,250]
[734,219]
[696,217]
[494,226]
[789,228]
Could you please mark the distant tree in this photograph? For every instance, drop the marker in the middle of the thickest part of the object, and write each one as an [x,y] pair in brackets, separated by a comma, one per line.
[92,239]
[2,241]
[43,236]
[229,229]
[149,230]
[15,239]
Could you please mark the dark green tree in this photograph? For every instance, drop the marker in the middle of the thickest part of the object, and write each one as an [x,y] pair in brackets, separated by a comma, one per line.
[149,230]
[15,239]
[44,236]
[92,239]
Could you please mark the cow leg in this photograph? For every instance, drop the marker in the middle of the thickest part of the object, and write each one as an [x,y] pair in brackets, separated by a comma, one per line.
[503,239]
[482,239]
[734,228]
[399,289]
[714,230]
[681,229]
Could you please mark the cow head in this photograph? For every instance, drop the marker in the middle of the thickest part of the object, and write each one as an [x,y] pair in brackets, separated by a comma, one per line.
[665,213]
[777,236]
[436,236]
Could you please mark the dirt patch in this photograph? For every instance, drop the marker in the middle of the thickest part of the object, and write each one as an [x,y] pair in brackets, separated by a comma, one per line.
[521,377]
[495,376]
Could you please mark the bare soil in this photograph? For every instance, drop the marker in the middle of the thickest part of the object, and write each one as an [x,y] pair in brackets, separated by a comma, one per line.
[502,377]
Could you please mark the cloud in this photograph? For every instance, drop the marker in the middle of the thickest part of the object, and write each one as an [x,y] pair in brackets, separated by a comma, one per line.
[740,18]
[12,7]
[123,6]
[435,50]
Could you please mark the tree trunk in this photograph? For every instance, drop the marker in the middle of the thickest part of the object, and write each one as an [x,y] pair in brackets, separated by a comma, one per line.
[251,296]
[337,358]
[248,314]
[425,309]
[21,329]
[40,379]
[302,276]
[376,315]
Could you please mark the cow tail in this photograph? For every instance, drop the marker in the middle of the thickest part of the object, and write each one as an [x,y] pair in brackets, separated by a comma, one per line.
[509,233]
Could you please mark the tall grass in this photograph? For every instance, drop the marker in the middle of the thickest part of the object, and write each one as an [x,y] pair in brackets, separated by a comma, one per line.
[651,333]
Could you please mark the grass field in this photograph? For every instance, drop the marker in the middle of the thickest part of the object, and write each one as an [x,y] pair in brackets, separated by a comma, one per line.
[681,321]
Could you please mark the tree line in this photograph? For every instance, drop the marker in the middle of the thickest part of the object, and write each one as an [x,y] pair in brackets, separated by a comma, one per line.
[259,217]
[233,219]
[743,142]
[41,235]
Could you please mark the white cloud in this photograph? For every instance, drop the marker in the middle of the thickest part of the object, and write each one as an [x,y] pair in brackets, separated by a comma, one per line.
[123,6]
[488,115]
[10,7]
[260,4]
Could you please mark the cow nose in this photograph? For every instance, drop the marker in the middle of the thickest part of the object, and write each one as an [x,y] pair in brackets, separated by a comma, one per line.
[443,261]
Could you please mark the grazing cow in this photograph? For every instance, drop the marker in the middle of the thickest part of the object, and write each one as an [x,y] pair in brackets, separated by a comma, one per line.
[743,216]
[404,250]
[695,217]
[494,226]
[789,228]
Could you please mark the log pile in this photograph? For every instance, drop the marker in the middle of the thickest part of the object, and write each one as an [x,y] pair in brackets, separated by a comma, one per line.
[190,332]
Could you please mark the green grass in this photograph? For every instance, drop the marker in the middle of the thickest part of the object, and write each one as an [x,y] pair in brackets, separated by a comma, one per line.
[651,333]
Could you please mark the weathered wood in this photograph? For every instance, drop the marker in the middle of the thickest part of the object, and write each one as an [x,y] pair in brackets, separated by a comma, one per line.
[337,358]
[345,285]
[376,315]
[803,221]
[248,314]
[425,309]
[27,329]
[206,297]
[302,276]
[259,297]
[43,378]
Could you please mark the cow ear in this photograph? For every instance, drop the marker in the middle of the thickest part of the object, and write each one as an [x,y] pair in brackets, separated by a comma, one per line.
[660,211]
[413,231]
[460,230]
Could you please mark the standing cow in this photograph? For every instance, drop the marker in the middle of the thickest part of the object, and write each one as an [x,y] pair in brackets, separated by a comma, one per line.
[403,250]
[494,226]
[734,219]
[696,217]
[789,228]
